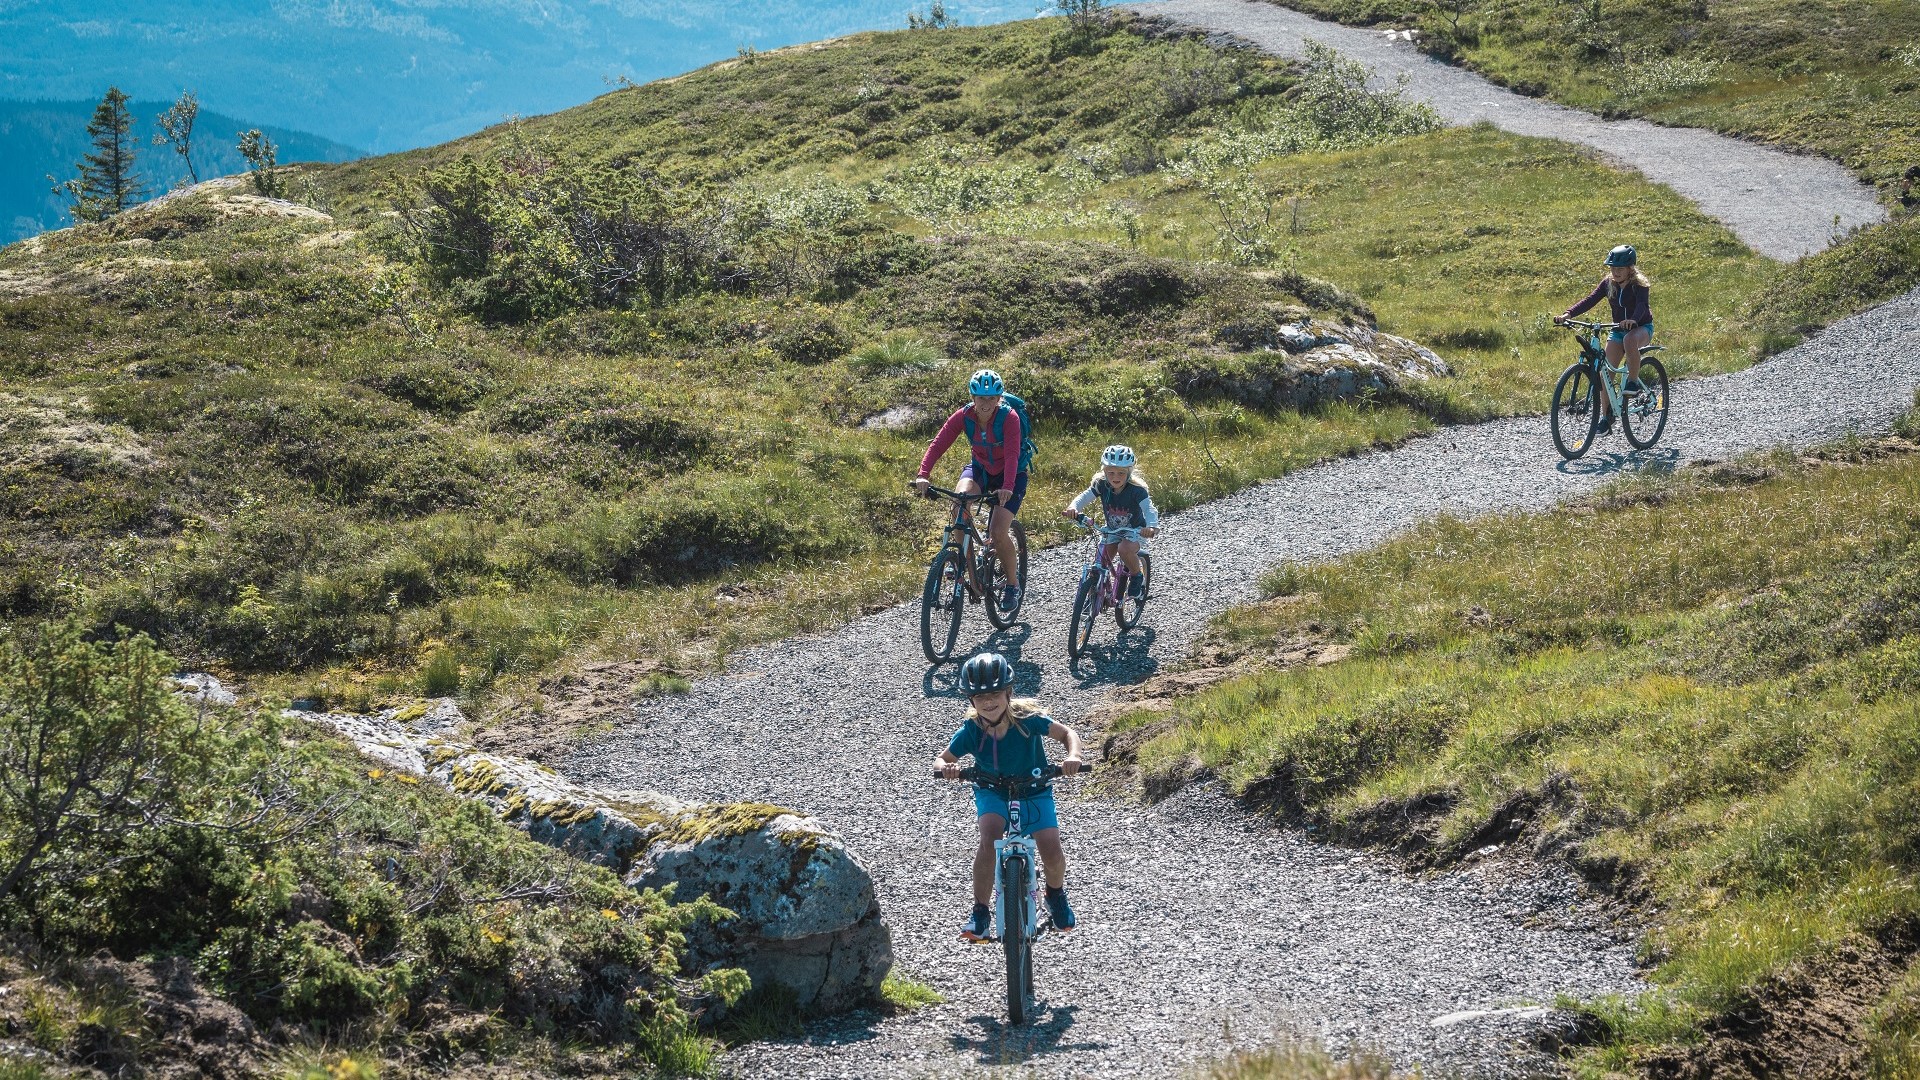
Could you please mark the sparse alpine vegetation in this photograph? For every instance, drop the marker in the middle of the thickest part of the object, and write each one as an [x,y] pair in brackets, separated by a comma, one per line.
[694,334]
[1841,81]
[1698,687]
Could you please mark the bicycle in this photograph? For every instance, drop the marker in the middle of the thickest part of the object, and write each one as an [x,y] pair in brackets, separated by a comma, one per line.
[1576,397]
[1103,585]
[1016,890]
[965,570]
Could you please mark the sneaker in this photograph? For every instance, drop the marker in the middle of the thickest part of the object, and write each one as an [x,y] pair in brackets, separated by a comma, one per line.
[1059,909]
[979,925]
[1009,598]
[1606,425]
[1135,586]
[1633,387]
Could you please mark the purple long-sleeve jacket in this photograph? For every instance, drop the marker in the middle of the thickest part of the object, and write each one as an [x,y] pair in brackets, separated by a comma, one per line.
[1631,302]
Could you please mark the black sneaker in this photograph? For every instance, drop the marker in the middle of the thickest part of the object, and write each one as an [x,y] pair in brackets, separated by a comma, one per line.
[979,925]
[1135,586]
[1059,909]
[1010,598]
[1633,388]
[1606,426]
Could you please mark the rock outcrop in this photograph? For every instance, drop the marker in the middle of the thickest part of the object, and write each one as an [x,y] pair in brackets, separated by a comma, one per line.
[805,915]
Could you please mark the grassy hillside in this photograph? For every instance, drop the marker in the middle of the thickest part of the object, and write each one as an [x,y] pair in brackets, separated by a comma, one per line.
[1700,688]
[439,450]
[1838,80]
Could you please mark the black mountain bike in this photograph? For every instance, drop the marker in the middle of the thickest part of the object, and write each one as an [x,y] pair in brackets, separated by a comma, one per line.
[1578,405]
[966,570]
[1017,908]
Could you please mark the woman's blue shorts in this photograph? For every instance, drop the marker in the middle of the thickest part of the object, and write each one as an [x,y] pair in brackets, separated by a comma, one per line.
[1036,811]
[1621,335]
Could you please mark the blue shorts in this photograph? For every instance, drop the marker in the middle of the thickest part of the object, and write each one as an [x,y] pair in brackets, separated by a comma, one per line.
[978,473]
[1036,811]
[1621,335]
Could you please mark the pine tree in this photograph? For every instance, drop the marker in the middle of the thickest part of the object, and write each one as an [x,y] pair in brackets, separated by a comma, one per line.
[176,130]
[107,183]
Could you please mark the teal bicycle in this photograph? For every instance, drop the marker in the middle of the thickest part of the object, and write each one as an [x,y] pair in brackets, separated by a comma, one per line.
[1579,410]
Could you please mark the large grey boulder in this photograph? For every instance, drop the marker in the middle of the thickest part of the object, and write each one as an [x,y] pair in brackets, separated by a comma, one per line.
[804,913]
[807,917]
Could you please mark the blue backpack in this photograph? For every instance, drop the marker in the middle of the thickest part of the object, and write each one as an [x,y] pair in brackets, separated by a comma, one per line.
[1009,403]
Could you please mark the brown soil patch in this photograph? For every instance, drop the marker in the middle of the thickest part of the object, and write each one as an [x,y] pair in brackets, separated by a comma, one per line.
[548,725]
[1809,1021]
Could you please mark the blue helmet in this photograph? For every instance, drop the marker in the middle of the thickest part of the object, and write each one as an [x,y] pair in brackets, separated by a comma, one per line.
[1624,255]
[987,382]
[983,673]
[1117,456]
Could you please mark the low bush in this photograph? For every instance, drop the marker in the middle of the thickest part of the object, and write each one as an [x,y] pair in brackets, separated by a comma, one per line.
[330,895]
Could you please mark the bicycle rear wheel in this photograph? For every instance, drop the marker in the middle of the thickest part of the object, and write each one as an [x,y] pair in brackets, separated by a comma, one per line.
[1014,900]
[1086,609]
[997,575]
[941,605]
[1576,411]
[1127,613]
[1645,417]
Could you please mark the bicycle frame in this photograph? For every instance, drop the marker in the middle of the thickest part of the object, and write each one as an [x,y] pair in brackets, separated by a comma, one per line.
[1016,844]
[1106,562]
[1593,353]
[971,539]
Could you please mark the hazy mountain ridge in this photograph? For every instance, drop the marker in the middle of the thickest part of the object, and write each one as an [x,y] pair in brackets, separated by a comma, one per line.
[394,74]
[41,138]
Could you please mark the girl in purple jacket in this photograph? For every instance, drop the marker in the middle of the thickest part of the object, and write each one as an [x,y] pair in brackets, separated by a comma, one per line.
[1625,290]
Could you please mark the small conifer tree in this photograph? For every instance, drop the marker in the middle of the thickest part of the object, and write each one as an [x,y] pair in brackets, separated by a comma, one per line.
[106,183]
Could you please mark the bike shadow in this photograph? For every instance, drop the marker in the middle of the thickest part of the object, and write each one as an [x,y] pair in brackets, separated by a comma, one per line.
[1127,660]
[1000,1043]
[1613,461]
[943,680]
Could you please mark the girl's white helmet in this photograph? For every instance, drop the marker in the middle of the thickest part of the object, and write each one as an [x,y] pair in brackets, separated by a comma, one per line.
[1117,456]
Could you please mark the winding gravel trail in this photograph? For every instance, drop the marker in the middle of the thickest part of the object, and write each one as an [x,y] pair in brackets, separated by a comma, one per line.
[1201,927]
[1781,205]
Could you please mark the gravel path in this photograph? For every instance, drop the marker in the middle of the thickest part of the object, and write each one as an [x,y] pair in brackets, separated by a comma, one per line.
[1202,928]
[1781,205]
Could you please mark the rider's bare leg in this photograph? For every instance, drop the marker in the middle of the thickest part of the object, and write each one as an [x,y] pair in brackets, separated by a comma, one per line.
[966,485]
[1130,554]
[1637,338]
[1615,350]
[992,828]
[1000,529]
[1053,861]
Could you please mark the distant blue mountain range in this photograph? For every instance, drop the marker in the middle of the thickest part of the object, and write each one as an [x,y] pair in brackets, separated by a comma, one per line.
[381,75]
[43,138]
[395,74]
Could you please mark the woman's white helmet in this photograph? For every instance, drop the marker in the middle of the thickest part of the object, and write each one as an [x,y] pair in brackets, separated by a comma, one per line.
[1117,456]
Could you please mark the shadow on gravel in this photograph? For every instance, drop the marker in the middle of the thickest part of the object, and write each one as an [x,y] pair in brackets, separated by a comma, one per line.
[1001,1043]
[1126,660]
[1600,464]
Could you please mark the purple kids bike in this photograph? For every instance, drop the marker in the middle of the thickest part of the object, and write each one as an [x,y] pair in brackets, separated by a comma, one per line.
[1104,585]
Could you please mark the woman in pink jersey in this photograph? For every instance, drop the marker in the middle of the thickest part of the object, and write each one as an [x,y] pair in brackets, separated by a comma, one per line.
[999,440]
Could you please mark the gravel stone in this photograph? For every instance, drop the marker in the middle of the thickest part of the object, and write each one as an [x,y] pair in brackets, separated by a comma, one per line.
[1202,927]
[1781,205]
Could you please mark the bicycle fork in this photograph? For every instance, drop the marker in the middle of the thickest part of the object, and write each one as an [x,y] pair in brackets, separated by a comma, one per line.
[1015,845]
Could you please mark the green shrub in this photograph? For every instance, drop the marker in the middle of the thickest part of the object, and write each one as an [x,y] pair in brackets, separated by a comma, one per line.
[440,675]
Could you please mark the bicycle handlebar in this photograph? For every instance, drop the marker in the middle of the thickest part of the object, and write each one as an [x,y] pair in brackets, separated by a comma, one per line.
[934,492]
[1593,327]
[1109,531]
[1010,784]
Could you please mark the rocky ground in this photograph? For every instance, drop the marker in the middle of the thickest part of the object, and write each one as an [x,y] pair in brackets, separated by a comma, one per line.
[1781,205]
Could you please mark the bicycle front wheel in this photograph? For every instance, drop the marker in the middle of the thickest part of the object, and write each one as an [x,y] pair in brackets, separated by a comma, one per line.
[1576,411]
[1086,609]
[996,575]
[1127,613]
[941,606]
[1015,900]
[1645,417]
